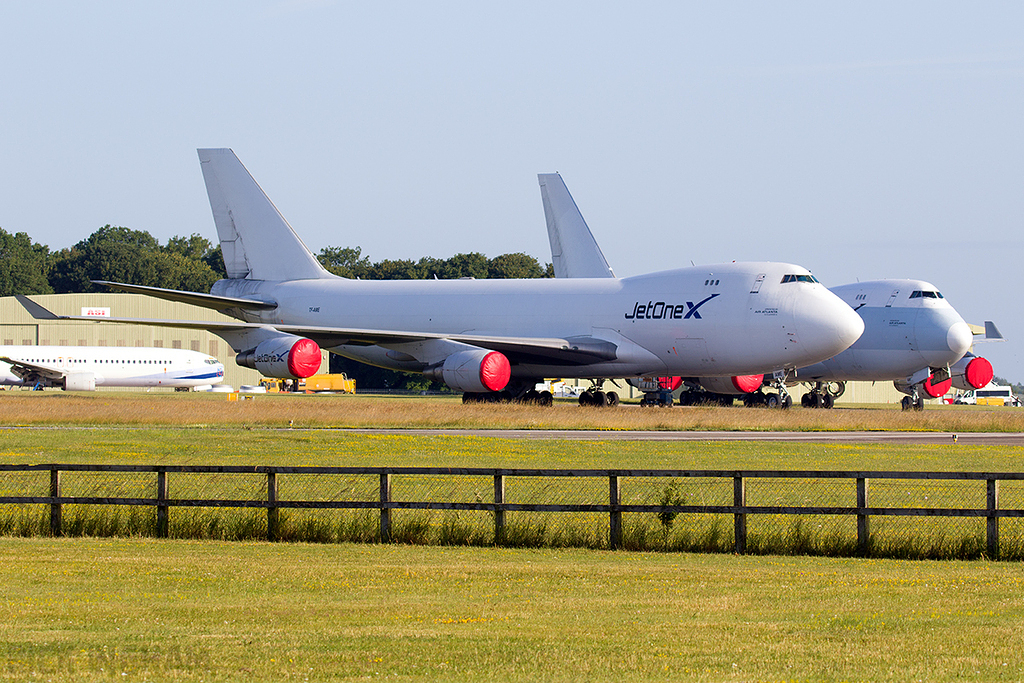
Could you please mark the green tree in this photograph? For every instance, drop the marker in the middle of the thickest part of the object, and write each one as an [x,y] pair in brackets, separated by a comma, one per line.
[473,264]
[23,265]
[195,247]
[345,261]
[518,265]
[135,257]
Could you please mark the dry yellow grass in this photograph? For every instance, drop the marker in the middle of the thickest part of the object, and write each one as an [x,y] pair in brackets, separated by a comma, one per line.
[126,408]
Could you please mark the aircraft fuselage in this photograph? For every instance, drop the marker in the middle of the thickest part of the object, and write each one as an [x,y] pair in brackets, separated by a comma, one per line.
[726,319]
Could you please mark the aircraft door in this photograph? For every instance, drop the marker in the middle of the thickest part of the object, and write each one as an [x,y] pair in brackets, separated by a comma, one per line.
[692,355]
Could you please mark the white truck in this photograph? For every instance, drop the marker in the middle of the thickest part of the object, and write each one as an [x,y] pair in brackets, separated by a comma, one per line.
[990,394]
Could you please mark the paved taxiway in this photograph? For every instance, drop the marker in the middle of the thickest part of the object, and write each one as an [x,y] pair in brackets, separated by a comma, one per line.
[974,438]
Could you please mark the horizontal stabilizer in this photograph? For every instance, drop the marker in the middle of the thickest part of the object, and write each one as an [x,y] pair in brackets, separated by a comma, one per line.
[217,303]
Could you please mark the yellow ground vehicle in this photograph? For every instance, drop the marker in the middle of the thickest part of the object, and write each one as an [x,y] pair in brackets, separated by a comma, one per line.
[338,382]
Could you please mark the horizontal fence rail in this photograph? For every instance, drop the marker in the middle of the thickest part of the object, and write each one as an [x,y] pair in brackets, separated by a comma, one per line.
[383,499]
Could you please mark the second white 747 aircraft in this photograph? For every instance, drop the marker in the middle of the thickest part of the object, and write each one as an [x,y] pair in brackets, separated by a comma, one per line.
[497,338]
[912,335]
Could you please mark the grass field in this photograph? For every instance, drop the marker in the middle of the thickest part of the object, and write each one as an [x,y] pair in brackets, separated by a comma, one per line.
[268,410]
[138,609]
[143,610]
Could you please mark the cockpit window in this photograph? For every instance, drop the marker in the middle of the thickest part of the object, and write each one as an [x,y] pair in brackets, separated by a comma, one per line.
[798,278]
[919,294]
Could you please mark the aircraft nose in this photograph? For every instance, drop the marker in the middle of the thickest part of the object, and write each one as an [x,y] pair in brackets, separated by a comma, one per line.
[828,326]
[942,337]
[959,338]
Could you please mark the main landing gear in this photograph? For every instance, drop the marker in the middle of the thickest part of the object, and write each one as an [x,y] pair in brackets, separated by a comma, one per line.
[781,400]
[823,395]
[914,402]
[597,397]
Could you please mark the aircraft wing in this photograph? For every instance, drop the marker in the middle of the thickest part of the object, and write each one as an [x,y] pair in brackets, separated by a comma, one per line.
[22,369]
[577,350]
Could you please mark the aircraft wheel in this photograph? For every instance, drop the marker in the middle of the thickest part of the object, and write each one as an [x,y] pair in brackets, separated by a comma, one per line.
[772,400]
[470,397]
[600,399]
[827,402]
[585,398]
[919,404]
[836,389]
[907,403]
[806,401]
[545,398]
[613,398]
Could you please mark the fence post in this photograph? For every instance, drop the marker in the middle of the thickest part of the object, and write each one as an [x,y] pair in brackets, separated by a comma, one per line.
[993,520]
[385,512]
[161,504]
[739,519]
[273,515]
[863,528]
[615,515]
[56,518]
[499,512]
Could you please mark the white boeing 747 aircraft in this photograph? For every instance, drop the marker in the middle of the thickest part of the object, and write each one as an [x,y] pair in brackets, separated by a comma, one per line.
[912,335]
[490,338]
[83,368]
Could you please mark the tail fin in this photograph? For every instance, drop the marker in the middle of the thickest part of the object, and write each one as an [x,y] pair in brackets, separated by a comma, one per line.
[574,251]
[256,240]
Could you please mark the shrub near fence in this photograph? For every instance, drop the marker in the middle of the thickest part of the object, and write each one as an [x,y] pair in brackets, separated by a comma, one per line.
[769,511]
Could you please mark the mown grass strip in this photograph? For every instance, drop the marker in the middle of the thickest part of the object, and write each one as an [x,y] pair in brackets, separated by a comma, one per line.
[181,409]
[143,610]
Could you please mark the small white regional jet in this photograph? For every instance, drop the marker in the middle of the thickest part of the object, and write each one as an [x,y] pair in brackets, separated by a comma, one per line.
[912,335]
[83,368]
[497,338]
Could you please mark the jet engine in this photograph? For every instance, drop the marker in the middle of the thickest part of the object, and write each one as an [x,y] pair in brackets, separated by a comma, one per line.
[741,384]
[971,372]
[930,386]
[80,381]
[285,357]
[473,370]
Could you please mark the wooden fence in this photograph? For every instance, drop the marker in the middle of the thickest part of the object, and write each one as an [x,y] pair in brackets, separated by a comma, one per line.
[614,508]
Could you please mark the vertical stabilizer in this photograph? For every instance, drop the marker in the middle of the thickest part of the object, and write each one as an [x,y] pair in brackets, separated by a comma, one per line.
[574,251]
[256,240]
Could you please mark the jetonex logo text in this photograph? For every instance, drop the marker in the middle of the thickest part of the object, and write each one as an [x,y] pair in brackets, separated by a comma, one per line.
[659,310]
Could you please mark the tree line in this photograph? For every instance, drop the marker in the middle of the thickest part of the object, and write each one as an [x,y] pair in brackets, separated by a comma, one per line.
[193,263]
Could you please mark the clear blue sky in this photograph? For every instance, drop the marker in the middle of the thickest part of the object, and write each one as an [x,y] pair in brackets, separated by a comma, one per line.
[862,141]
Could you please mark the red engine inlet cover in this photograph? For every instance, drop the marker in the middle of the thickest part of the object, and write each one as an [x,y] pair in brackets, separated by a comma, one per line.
[747,383]
[304,358]
[979,373]
[495,371]
[936,390]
